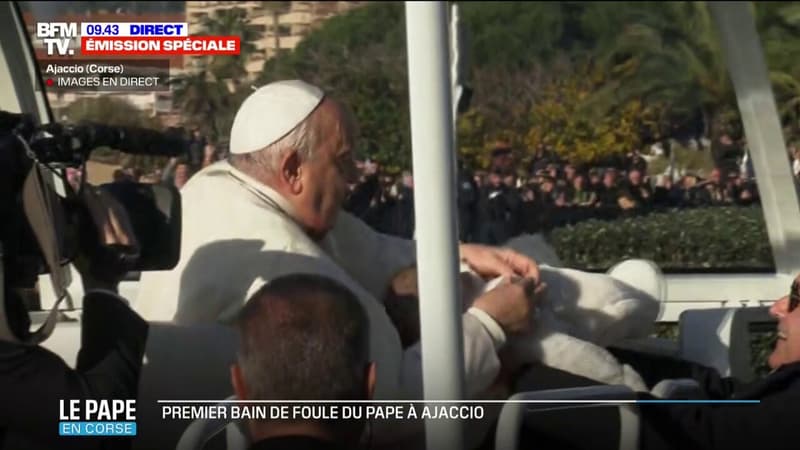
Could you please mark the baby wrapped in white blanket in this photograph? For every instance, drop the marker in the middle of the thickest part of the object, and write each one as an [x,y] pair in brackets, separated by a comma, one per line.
[578,315]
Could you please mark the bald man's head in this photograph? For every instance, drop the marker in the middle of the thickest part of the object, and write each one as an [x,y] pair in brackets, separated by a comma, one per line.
[304,337]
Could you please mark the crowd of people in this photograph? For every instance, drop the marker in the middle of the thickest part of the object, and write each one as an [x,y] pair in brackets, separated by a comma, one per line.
[502,202]
[509,198]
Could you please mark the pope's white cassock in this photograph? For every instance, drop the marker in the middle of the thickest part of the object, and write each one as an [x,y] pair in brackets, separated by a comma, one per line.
[238,234]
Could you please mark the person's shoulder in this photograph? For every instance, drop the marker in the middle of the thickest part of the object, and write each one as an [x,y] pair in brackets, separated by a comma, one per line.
[777,384]
[788,372]
[213,174]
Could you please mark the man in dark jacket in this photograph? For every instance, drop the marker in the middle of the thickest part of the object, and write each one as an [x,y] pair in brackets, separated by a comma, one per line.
[726,152]
[770,424]
[498,212]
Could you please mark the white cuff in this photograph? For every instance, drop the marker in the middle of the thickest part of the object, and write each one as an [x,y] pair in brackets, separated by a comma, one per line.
[491,325]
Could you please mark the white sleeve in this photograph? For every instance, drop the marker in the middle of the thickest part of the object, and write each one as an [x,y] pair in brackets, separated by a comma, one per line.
[379,256]
[492,327]
[481,363]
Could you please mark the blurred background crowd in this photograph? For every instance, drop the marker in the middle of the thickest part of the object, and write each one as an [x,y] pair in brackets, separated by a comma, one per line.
[515,194]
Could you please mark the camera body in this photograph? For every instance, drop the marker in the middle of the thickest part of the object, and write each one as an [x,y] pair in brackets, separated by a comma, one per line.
[154,210]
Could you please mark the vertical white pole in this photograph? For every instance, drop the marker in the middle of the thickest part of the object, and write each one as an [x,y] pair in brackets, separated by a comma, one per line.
[434,202]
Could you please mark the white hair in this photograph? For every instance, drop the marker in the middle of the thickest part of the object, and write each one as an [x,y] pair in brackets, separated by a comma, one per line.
[303,138]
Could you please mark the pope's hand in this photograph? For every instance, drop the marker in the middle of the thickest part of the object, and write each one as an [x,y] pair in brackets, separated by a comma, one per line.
[491,262]
[511,304]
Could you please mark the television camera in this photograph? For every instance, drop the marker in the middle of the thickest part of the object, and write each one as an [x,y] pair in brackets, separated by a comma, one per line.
[45,224]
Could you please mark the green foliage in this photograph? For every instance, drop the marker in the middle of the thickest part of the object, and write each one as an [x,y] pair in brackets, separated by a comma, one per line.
[513,34]
[230,22]
[207,103]
[556,120]
[666,53]
[761,345]
[663,56]
[360,58]
[209,97]
[666,330]
[703,238]
[669,53]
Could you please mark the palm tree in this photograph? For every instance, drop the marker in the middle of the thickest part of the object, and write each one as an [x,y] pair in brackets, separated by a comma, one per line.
[209,96]
[668,54]
[276,9]
[231,22]
[779,24]
[205,102]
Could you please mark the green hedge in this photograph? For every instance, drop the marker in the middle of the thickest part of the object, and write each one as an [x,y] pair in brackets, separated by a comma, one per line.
[700,239]
[677,240]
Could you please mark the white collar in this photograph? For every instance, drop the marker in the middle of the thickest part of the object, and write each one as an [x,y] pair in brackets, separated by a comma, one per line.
[257,188]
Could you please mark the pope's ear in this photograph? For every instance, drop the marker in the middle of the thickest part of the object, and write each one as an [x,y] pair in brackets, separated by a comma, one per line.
[290,168]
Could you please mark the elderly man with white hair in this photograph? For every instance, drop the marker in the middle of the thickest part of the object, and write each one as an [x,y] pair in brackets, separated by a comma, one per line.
[273,209]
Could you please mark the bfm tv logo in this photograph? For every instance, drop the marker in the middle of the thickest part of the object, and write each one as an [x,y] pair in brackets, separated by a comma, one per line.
[57,36]
[97,418]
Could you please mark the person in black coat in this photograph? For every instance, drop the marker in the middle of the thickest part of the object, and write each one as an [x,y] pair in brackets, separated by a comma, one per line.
[770,424]
[726,153]
[498,212]
[33,380]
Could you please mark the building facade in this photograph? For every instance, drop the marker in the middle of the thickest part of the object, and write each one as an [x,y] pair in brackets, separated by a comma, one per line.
[282,25]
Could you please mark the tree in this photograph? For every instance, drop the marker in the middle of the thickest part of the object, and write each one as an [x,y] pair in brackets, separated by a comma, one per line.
[665,53]
[207,103]
[210,96]
[275,9]
[556,120]
[231,22]
[663,57]
[669,53]
[779,25]
[500,110]
[522,35]
[787,93]
[360,58]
